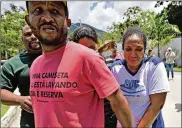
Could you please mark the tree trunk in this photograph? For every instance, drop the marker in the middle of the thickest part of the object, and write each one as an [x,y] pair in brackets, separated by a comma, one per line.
[158,46]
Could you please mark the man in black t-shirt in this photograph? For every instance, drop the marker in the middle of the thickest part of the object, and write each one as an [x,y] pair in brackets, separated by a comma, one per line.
[15,74]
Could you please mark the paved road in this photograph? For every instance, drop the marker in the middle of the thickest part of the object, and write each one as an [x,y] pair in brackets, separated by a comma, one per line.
[172,107]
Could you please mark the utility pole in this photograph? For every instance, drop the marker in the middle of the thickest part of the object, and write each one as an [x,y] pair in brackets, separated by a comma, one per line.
[158,47]
[80,21]
[5,51]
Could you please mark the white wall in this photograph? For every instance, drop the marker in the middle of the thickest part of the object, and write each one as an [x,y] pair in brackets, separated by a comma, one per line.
[175,44]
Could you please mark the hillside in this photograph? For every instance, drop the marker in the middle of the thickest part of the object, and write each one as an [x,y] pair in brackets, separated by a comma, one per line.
[74,26]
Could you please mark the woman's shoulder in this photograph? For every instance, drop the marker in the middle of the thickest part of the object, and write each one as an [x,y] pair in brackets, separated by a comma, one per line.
[118,62]
[153,60]
[154,64]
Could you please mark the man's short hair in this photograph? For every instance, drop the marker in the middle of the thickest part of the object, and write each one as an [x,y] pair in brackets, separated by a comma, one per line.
[85,31]
[64,3]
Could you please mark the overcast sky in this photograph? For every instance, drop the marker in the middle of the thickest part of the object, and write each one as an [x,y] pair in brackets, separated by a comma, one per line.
[98,14]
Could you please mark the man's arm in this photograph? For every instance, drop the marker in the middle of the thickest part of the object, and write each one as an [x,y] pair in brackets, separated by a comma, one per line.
[121,108]
[106,47]
[157,103]
[167,55]
[9,98]
[8,83]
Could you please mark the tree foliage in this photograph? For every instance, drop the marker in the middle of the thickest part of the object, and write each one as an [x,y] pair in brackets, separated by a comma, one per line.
[117,29]
[11,26]
[174,12]
[156,27]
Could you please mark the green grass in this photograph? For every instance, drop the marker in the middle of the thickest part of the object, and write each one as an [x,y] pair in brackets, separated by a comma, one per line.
[178,68]
[4,109]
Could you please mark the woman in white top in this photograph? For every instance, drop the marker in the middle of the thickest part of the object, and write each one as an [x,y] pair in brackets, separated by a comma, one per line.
[142,80]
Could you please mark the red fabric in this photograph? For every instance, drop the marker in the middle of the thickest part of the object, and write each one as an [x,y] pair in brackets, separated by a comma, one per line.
[69,93]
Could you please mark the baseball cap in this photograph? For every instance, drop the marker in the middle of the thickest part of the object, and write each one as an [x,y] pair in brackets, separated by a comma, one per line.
[64,2]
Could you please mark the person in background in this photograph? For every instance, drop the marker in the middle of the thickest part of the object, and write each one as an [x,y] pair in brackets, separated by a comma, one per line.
[118,55]
[142,80]
[150,52]
[87,36]
[112,46]
[68,80]
[15,74]
[170,58]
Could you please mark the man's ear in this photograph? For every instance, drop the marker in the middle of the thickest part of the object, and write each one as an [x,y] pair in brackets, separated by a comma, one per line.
[27,20]
[68,21]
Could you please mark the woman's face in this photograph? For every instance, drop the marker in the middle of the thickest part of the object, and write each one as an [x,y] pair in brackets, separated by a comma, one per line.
[88,42]
[134,51]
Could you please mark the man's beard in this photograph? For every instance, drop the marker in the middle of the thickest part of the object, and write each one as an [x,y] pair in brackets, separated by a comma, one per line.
[35,48]
[59,39]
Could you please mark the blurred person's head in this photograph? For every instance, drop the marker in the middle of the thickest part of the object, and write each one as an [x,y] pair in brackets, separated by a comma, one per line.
[86,36]
[48,21]
[169,49]
[30,42]
[134,45]
[112,46]
[150,52]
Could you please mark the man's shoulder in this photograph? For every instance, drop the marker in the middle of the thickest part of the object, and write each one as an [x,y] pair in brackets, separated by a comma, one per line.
[82,50]
[13,59]
[85,54]
[38,59]
[37,63]
[79,46]
[13,64]
[22,58]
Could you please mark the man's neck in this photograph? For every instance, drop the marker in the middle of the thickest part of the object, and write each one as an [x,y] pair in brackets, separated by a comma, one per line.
[46,48]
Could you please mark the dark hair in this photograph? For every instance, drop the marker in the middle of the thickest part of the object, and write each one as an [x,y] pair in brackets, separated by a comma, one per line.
[149,51]
[134,31]
[65,8]
[85,31]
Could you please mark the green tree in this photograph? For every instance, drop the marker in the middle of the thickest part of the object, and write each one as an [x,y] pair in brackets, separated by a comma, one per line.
[117,29]
[11,26]
[174,12]
[156,27]
[114,32]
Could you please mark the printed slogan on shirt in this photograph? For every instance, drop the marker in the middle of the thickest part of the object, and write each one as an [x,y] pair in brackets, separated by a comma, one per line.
[48,82]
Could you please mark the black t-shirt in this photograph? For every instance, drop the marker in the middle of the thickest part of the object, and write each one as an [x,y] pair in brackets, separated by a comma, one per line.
[15,73]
